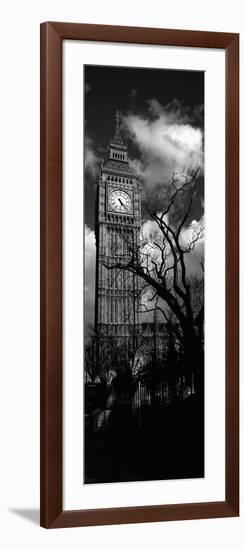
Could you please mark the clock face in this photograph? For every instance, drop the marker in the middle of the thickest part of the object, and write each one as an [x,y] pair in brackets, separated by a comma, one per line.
[120,201]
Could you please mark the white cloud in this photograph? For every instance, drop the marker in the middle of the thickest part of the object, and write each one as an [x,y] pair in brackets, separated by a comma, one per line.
[148,228]
[152,233]
[189,233]
[90,257]
[166,139]
[87,87]
[194,259]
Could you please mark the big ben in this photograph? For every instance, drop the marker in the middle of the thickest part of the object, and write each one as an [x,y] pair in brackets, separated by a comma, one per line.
[118,220]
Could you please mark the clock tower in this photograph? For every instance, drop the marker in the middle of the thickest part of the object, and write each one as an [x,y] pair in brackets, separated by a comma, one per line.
[117,228]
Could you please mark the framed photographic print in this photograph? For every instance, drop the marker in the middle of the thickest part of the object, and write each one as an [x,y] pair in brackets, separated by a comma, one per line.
[139,275]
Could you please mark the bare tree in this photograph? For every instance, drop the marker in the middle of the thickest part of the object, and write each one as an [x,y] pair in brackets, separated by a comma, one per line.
[159,260]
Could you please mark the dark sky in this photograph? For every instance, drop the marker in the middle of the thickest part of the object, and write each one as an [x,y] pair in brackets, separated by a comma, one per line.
[129,90]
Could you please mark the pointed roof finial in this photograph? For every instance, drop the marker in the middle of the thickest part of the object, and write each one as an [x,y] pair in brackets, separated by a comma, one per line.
[117,139]
[117,118]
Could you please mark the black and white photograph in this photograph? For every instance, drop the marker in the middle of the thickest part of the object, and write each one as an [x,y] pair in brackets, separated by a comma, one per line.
[121,305]
[144,329]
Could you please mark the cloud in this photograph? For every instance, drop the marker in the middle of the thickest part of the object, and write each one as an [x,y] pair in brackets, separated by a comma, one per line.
[194,259]
[189,233]
[136,165]
[167,139]
[150,229]
[90,257]
[194,231]
[177,112]
[87,87]
[133,93]
[91,159]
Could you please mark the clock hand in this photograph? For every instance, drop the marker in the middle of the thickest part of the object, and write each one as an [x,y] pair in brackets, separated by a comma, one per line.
[122,203]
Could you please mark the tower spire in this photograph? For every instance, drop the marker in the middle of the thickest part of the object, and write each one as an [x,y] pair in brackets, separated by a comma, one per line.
[117,119]
[117,138]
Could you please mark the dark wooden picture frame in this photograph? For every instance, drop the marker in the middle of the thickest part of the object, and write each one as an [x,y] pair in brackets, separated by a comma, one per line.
[52,35]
